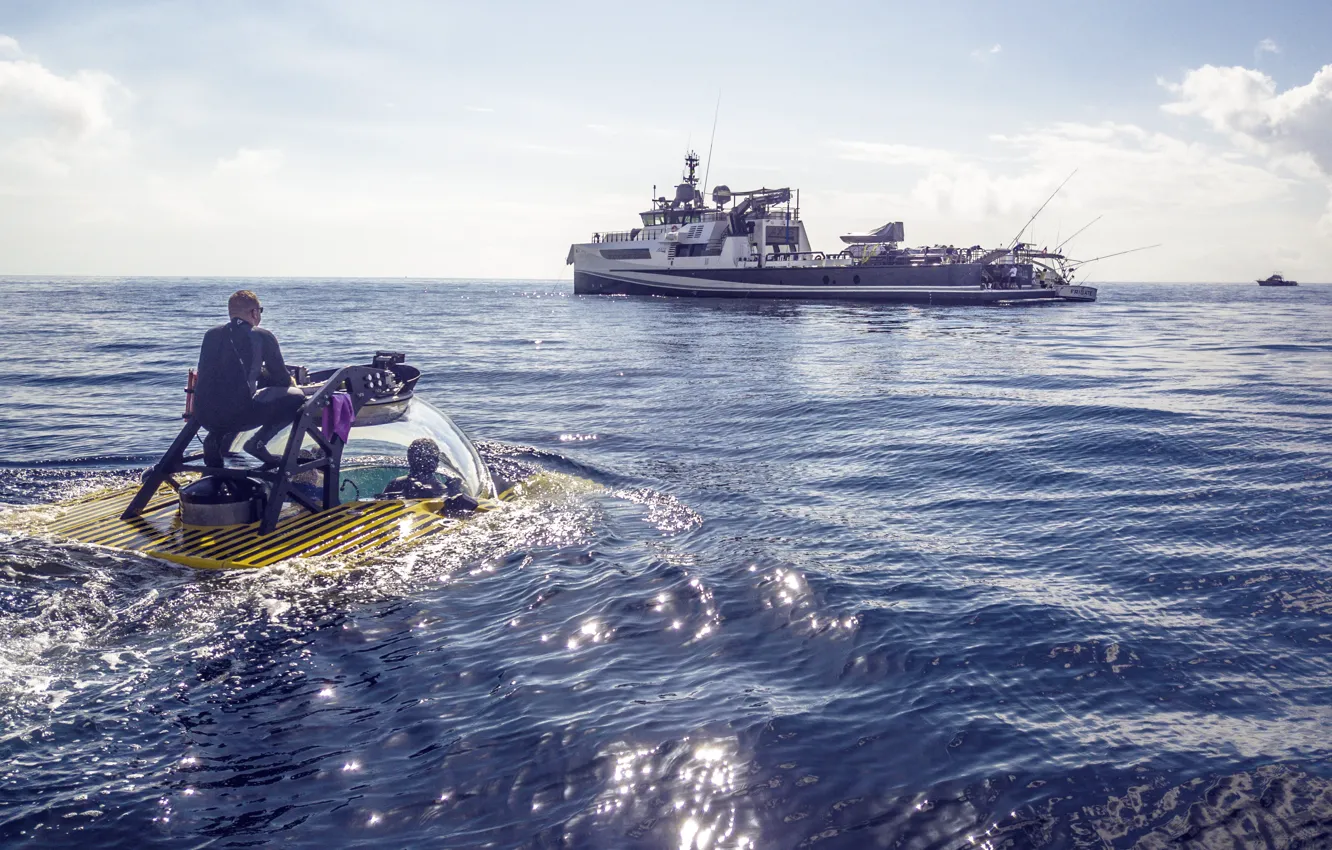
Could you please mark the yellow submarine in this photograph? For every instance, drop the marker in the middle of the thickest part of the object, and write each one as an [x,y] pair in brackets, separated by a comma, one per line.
[196,510]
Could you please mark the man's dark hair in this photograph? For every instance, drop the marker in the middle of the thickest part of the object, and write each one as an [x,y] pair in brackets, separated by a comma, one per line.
[423,457]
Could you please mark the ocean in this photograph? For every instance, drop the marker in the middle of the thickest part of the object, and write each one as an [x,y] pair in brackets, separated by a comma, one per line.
[831,575]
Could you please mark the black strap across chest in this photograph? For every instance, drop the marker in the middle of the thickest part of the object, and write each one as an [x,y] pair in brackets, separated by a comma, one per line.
[256,357]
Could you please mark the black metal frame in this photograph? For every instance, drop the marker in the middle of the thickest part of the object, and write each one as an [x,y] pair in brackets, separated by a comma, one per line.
[362,383]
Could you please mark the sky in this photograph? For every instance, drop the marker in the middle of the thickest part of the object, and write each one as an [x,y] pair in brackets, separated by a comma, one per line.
[478,140]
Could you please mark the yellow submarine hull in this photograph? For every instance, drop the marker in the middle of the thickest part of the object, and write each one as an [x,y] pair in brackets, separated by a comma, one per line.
[353,529]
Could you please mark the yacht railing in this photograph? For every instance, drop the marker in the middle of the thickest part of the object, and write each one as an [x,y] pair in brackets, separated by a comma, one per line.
[634,235]
[803,259]
[657,229]
[690,217]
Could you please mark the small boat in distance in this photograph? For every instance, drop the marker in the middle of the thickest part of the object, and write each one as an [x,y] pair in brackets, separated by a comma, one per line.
[1277,280]
[757,247]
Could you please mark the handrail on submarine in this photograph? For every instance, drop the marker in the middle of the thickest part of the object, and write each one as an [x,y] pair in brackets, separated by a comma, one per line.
[361,382]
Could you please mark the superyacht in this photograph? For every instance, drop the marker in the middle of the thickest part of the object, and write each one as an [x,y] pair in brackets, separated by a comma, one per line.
[753,244]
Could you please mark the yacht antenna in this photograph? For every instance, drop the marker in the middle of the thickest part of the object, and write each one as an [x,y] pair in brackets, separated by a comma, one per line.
[1074,236]
[707,169]
[1013,244]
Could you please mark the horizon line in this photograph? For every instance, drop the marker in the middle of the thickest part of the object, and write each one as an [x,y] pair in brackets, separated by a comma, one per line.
[203,277]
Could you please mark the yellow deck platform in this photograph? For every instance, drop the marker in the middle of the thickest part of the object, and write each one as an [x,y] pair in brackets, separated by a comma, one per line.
[354,528]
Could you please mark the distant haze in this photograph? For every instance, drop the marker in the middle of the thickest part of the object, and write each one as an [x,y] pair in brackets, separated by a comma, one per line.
[478,140]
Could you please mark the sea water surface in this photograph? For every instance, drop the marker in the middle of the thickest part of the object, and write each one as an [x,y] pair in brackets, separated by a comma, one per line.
[833,575]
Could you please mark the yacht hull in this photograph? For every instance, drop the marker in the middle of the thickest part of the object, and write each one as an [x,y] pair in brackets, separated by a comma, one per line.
[943,285]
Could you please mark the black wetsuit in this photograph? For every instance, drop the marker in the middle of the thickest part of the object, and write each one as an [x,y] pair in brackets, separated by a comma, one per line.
[411,487]
[407,487]
[229,377]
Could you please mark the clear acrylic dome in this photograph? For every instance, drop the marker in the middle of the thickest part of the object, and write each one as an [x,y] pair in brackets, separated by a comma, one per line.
[376,449]
[383,446]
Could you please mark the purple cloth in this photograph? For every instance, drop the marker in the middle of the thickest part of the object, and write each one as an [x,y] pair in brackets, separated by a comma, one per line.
[338,417]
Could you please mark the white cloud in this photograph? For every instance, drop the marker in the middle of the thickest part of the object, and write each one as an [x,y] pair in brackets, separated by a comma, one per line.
[51,123]
[1267,45]
[250,162]
[77,105]
[479,108]
[1244,104]
[1119,165]
[1149,187]
[981,53]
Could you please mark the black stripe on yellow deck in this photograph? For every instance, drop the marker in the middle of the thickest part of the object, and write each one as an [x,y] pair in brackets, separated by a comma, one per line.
[312,526]
[234,540]
[365,536]
[246,541]
[332,542]
[122,533]
[100,524]
[143,539]
[94,513]
[165,531]
[113,530]
[110,509]
[116,532]
[101,502]
[159,520]
[380,540]
[355,527]
[428,524]
[204,537]
[434,530]
[88,514]
[319,541]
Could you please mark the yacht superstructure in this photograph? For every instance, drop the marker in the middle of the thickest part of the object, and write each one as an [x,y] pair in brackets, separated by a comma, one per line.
[758,248]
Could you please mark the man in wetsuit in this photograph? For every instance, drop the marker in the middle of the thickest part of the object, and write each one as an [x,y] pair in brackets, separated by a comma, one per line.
[243,383]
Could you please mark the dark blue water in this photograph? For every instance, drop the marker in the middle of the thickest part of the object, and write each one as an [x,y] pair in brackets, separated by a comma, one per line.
[839,576]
